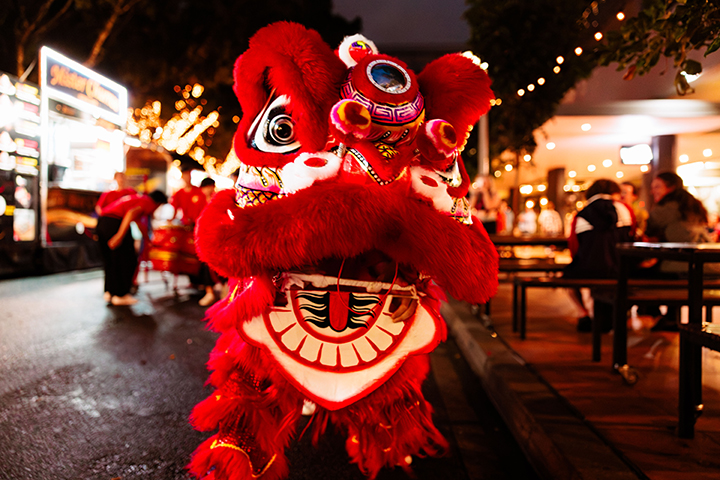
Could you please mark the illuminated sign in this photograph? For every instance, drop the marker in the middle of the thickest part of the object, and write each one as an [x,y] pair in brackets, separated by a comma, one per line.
[70,82]
[640,154]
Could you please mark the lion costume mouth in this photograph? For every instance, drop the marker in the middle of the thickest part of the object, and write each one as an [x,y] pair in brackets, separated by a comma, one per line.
[342,329]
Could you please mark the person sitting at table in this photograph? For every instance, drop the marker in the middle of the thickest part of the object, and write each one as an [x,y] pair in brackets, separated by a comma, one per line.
[603,222]
[676,216]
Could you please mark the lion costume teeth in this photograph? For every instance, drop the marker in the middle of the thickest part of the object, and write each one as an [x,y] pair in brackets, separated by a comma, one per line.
[347,225]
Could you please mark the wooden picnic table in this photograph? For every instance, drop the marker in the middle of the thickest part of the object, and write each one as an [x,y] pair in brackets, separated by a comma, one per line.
[690,381]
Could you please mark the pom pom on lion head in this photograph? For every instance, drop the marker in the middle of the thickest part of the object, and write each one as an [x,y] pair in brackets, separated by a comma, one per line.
[322,190]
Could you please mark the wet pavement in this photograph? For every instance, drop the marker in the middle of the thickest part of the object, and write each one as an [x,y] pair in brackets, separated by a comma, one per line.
[89,391]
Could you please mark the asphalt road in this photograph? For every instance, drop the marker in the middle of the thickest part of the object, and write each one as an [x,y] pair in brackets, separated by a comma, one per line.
[89,391]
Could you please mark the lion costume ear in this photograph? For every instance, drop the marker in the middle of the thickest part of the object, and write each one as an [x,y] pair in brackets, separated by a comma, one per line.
[457,91]
[287,59]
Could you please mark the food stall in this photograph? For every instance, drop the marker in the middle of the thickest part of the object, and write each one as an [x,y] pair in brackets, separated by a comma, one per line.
[83,117]
[19,179]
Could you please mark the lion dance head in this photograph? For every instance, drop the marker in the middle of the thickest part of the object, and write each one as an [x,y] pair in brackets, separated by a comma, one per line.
[347,223]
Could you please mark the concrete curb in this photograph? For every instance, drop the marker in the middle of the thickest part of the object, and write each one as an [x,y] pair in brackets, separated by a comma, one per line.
[558,443]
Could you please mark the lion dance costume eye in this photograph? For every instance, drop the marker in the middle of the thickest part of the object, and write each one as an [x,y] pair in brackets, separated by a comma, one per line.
[347,225]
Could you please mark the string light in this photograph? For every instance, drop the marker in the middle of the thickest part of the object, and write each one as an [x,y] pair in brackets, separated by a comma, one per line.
[559,60]
[530,87]
[598,36]
[527,157]
[541,81]
[521,92]
[620,16]
[684,158]
[578,51]
[556,69]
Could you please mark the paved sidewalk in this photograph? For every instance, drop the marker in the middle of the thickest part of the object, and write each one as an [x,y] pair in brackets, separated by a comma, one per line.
[576,418]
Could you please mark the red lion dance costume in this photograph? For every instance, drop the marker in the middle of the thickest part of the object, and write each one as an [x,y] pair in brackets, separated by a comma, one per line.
[348,221]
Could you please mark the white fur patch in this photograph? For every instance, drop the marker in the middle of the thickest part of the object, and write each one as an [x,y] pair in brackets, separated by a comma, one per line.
[298,175]
[343,49]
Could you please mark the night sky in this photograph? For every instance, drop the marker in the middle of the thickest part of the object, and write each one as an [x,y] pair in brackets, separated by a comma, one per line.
[402,22]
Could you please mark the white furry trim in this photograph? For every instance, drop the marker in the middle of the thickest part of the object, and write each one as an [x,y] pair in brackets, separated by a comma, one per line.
[297,175]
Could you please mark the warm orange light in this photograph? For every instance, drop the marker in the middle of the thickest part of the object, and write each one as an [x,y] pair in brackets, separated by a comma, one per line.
[620,16]
[598,36]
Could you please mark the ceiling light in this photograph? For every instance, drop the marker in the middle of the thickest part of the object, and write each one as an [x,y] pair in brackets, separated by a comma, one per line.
[508,168]
[707,153]
[644,168]
[591,168]
[683,158]
[541,188]
[585,127]
[529,204]
[543,201]
[607,163]
[572,174]
[619,174]
[550,145]
[526,189]
[527,157]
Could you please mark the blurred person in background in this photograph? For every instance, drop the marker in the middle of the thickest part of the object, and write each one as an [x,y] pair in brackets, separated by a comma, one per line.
[117,245]
[208,188]
[549,221]
[630,195]
[527,221]
[676,216]
[207,278]
[508,217]
[189,201]
[120,189]
[602,223]
[484,202]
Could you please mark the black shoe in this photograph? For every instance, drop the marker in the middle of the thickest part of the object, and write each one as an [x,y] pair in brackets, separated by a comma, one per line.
[664,324]
[584,324]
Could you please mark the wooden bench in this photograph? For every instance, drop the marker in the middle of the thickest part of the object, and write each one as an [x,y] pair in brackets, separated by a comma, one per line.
[692,338]
[640,292]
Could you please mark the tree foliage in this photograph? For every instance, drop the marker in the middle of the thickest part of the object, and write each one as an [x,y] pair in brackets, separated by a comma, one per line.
[152,46]
[669,29]
[521,42]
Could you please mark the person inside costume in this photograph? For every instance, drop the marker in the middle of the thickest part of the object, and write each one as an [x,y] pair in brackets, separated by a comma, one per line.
[121,189]
[348,220]
[117,245]
[603,222]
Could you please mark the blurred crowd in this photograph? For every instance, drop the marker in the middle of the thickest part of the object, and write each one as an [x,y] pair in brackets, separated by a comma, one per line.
[610,213]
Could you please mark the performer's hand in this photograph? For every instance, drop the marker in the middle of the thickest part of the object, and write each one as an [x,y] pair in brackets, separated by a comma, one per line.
[114,242]
[405,309]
